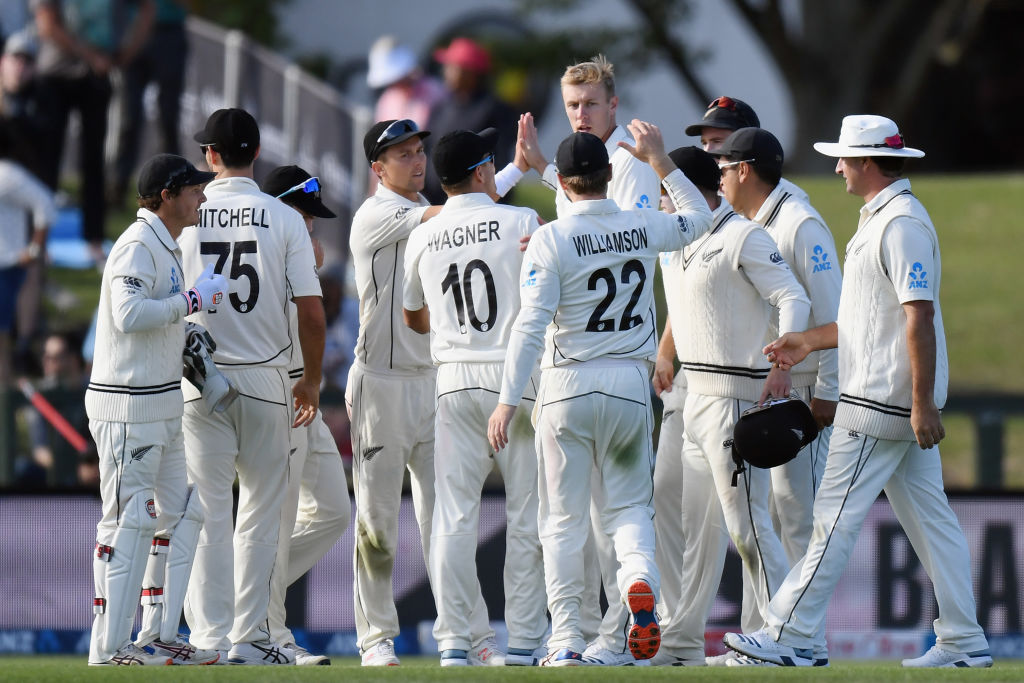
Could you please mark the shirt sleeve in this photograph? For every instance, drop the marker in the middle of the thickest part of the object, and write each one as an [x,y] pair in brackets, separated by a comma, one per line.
[692,217]
[300,263]
[412,286]
[388,224]
[765,268]
[909,257]
[506,179]
[539,292]
[814,258]
[131,273]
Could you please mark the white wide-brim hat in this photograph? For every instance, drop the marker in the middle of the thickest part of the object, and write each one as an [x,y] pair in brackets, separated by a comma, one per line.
[867,135]
[389,65]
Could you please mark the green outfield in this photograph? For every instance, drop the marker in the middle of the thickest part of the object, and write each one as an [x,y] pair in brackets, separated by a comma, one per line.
[68,669]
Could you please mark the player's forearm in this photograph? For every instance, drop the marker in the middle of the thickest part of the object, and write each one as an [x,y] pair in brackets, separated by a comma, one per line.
[312,335]
[793,315]
[921,349]
[506,179]
[667,345]
[417,321]
[823,337]
[137,314]
[521,358]
[688,200]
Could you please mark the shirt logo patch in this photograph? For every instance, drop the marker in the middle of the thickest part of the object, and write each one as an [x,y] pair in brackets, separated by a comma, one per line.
[138,453]
[684,225]
[368,453]
[175,282]
[711,254]
[644,202]
[132,285]
[776,257]
[918,276]
[531,278]
[820,258]
[401,212]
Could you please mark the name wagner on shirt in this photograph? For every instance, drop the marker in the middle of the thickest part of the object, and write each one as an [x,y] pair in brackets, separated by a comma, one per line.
[461,235]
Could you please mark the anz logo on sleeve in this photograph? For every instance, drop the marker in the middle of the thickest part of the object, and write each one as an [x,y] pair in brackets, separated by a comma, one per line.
[531,278]
[820,258]
[918,276]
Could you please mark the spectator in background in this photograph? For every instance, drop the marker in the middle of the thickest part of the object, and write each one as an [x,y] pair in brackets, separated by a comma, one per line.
[21,195]
[161,61]
[80,42]
[19,103]
[470,104]
[406,92]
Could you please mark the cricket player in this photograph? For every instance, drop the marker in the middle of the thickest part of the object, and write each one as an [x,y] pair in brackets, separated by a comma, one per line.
[591,273]
[462,285]
[893,374]
[729,282]
[390,392]
[317,509]
[588,94]
[264,248]
[134,404]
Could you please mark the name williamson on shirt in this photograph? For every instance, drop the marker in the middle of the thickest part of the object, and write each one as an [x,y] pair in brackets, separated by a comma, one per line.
[620,242]
[461,235]
[233,218]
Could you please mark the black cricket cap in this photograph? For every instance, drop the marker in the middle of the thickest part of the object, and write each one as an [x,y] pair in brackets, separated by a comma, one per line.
[169,172]
[580,154]
[697,165]
[230,130]
[384,134]
[728,113]
[284,178]
[456,152]
[755,144]
[771,435]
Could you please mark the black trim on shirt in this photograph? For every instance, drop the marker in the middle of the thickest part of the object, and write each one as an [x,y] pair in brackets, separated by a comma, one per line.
[885,408]
[738,371]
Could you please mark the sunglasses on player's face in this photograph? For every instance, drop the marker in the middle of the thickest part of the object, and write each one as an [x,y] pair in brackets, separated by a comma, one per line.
[309,186]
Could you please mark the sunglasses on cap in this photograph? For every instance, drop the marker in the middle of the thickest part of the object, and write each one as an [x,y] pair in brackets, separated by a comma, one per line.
[723,103]
[308,186]
[735,163]
[489,157]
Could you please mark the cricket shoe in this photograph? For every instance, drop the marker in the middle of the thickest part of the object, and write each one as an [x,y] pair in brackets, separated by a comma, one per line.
[743,660]
[304,657]
[644,634]
[133,655]
[486,653]
[521,657]
[455,658]
[563,657]
[599,656]
[183,653]
[939,657]
[760,645]
[722,660]
[260,653]
[665,659]
[381,654]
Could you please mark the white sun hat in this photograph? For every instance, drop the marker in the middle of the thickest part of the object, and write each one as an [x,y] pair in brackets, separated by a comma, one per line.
[389,63]
[867,135]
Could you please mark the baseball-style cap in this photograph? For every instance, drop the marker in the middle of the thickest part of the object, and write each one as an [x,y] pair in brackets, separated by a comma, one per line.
[230,130]
[580,154]
[384,134]
[697,165]
[753,145]
[467,53]
[772,434]
[295,187]
[168,172]
[867,135]
[457,153]
[728,113]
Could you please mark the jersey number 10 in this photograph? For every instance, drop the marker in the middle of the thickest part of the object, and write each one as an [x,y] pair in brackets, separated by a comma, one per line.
[462,291]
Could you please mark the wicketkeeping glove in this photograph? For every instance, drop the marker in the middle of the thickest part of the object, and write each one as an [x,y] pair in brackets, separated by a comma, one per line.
[200,370]
[208,292]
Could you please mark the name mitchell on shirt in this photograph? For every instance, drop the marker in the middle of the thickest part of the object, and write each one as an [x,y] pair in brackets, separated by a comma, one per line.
[233,218]
[621,241]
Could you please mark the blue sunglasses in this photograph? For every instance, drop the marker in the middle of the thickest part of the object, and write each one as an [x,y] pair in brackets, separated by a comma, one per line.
[309,186]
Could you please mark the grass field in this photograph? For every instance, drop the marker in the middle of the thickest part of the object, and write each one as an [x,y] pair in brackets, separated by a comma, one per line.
[68,669]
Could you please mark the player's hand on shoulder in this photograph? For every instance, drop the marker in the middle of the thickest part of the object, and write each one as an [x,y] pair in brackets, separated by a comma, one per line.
[649,143]
[307,401]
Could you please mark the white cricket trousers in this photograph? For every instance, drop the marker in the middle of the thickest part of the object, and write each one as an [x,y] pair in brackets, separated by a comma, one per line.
[136,459]
[668,502]
[315,514]
[715,511]
[229,592]
[467,394]
[858,468]
[594,414]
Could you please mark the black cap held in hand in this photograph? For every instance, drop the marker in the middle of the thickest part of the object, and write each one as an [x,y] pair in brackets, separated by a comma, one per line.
[230,130]
[754,144]
[697,165]
[580,154]
[169,172]
[457,153]
[771,435]
[285,178]
[728,113]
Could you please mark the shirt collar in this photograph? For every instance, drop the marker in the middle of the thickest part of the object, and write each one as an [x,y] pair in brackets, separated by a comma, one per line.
[592,206]
[723,208]
[468,200]
[234,184]
[158,227]
[619,134]
[770,202]
[390,195]
[885,195]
